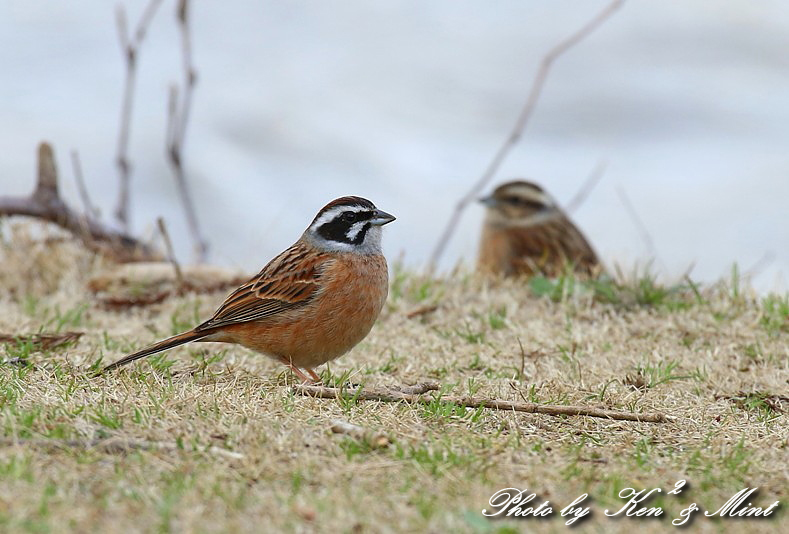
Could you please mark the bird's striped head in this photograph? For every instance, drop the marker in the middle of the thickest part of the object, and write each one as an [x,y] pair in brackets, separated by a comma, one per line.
[349,224]
[518,201]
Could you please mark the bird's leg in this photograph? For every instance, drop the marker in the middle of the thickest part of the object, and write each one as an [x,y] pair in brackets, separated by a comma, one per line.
[316,379]
[296,371]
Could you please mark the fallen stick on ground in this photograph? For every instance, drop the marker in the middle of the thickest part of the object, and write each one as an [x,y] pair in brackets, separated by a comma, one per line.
[111,445]
[418,389]
[42,341]
[422,310]
[45,203]
[390,395]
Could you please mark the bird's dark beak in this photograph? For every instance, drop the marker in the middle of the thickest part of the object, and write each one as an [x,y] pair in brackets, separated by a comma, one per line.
[381,218]
[488,201]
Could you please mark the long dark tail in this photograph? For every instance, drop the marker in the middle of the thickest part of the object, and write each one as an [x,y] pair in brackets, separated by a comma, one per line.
[159,346]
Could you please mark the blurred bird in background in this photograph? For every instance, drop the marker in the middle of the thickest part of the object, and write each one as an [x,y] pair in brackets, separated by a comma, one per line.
[526,233]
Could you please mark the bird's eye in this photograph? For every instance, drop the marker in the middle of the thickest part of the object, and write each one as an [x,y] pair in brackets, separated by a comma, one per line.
[349,216]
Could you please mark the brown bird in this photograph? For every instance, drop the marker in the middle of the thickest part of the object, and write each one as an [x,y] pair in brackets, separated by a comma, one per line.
[526,233]
[312,303]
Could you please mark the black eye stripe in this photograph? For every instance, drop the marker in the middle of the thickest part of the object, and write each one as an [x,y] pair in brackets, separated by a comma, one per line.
[339,227]
[527,203]
[356,216]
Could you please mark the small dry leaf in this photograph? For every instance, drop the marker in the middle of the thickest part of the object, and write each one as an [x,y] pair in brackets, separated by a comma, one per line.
[635,381]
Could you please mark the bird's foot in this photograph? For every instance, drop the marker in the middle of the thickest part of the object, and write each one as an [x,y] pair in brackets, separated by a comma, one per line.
[313,379]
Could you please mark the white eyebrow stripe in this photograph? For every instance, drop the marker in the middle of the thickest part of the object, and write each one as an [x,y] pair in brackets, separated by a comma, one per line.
[334,212]
[533,195]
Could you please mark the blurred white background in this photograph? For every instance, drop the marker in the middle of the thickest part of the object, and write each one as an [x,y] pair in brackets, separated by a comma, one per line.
[404,102]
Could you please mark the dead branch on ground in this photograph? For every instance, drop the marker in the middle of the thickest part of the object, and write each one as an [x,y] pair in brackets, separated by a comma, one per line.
[142,284]
[755,398]
[130,48]
[110,446]
[45,203]
[421,310]
[44,341]
[418,389]
[177,120]
[520,125]
[390,395]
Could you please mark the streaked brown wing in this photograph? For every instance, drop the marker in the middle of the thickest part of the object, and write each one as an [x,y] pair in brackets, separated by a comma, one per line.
[289,281]
[547,246]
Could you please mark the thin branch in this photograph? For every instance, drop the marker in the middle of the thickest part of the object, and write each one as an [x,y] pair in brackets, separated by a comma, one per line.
[642,229]
[773,401]
[145,21]
[90,211]
[179,277]
[190,76]
[130,50]
[130,285]
[110,446]
[586,187]
[42,341]
[761,264]
[522,373]
[418,389]
[520,125]
[389,395]
[178,119]
[422,310]
[45,203]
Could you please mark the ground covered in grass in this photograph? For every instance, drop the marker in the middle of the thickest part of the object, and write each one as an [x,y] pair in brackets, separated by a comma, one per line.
[210,438]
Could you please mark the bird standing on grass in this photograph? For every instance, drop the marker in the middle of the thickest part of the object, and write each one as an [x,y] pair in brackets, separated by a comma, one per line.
[312,303]
[526,233]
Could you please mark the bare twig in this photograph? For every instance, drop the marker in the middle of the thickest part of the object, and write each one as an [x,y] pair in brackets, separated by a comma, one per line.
[520,124]
[642,229]
[90,211]
[130,49]
[124,302]
[45,203]
[376,440]
[178,118]
[110,446]
[418,389]
[179,277]
[755,398]
[586,187]
[760,265]
[421,310]
[522,373]
[42,341]
[388,395]
[143,284]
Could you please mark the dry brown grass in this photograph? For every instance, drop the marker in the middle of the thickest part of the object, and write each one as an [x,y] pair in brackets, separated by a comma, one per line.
[211,439]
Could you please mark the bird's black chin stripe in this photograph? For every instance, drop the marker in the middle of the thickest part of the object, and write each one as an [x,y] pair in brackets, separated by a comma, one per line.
[362,233]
